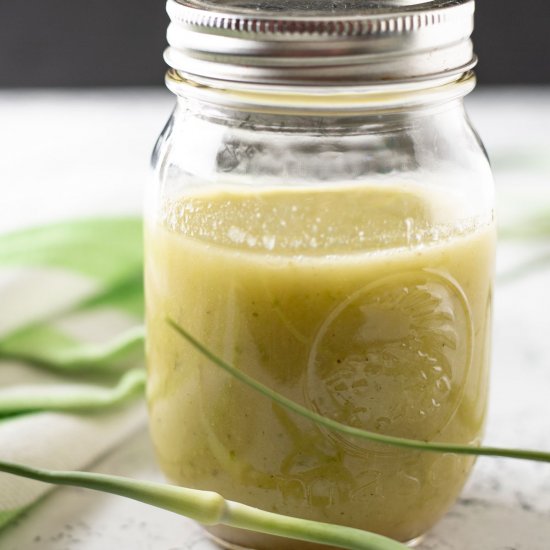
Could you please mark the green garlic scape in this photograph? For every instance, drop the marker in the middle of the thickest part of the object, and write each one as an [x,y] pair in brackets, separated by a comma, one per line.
[210,508]
[519,454]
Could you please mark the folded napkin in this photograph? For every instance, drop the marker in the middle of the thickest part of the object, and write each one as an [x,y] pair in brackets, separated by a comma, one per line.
[71,348]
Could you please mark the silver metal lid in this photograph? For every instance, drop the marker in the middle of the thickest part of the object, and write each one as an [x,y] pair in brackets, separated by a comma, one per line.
[320,42]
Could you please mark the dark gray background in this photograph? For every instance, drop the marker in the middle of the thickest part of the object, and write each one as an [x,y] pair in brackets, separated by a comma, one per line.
[120,42]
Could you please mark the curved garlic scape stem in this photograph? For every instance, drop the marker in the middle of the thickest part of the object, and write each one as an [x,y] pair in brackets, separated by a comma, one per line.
[519,454]
[210,508]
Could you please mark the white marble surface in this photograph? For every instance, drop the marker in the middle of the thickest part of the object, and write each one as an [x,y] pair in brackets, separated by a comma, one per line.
[66,154]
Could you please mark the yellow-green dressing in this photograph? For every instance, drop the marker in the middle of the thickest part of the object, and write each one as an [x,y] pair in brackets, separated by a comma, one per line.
[365,304]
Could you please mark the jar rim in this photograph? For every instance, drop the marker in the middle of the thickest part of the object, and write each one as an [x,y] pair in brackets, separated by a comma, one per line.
[322,100]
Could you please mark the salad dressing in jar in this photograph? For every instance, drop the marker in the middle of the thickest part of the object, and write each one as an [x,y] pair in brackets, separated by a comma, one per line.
[322,218]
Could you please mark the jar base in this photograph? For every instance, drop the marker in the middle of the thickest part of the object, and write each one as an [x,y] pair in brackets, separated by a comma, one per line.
[231,546]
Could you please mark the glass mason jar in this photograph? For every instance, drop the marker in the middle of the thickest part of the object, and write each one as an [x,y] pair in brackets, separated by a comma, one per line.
[322,219]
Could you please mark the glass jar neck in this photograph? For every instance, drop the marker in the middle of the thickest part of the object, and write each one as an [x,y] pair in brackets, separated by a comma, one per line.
[323,101]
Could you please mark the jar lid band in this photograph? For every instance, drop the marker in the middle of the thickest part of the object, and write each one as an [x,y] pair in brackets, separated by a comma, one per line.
[317,43]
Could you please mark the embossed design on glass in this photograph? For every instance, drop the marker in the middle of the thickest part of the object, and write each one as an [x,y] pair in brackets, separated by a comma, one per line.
[408,334]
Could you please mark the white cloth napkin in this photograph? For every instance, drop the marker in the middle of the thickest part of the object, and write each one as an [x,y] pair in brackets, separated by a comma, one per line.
[68,295]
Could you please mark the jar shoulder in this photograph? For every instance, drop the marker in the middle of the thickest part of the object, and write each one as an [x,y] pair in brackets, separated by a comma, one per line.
[440,149]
